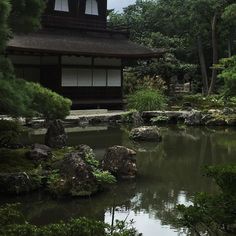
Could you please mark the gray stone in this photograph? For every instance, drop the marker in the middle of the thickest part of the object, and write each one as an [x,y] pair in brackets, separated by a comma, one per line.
[39,153]
[146,133]
[56,136]
[121,162]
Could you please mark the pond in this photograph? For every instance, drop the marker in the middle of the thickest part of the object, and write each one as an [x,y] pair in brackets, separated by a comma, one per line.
[169,173]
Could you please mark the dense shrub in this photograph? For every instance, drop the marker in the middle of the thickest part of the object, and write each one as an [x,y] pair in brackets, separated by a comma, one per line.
[228,73]
[9,132]
[146,100]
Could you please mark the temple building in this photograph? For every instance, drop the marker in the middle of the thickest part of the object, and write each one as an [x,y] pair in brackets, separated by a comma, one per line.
[76,54]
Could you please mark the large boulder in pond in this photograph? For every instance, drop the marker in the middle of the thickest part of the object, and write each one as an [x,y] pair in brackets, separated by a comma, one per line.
[194,118]
[18,183]
[56,136]
[39,153]
[146,133]
[78,175]
[121,162]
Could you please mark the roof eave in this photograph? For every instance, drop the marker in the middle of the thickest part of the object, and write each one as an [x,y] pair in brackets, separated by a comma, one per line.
[94,54]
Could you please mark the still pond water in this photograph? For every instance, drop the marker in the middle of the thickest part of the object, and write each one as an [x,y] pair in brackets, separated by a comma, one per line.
[169,174]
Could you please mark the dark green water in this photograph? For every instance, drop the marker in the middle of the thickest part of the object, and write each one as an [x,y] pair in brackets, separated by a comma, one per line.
[169,173]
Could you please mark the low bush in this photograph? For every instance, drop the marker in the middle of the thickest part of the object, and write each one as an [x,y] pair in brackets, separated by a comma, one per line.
[147,100]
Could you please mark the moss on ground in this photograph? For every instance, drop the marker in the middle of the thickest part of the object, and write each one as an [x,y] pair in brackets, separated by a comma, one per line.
[15,161]
[58,154]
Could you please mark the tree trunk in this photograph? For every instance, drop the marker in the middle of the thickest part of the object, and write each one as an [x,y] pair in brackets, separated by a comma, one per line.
[203,66]
[215,54]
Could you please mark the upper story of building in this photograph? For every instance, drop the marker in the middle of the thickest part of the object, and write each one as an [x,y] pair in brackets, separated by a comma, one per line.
[83,14]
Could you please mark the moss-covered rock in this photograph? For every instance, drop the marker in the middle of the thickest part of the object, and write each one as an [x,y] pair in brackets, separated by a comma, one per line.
[146,133]
[78,173]
[18,183]
[121,162]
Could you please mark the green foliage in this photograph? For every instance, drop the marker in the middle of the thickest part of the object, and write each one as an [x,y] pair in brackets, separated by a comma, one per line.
[104,177]
[9,132]
[12,223]
[146,100]
[228,73]
[213,213]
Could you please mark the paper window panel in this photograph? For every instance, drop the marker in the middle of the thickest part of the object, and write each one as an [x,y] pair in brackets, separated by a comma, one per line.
[84,77]
[61,5]
[114,78]
[91,7]
[99,78]
[69,78]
